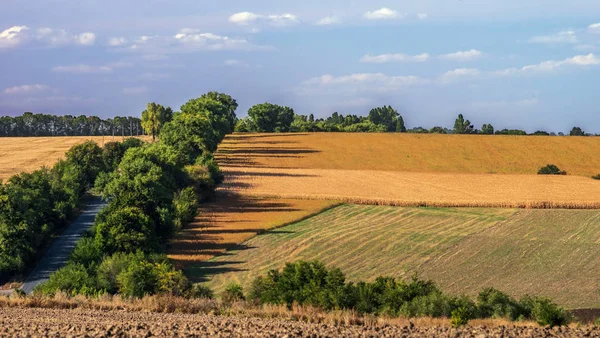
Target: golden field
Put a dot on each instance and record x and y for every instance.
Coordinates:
(229, 221)
(475, 154)
(26, 154)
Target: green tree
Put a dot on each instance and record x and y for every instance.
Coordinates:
(268, 117)
(576, 131)
(125, 230)
(154, 117)
(462, 126)
(228, 102)
(487, 129)
(386, 116)
(437, 130)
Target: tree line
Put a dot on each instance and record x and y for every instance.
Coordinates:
(268, 117)
(30, 124)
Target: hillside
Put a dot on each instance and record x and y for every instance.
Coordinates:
(19, 154)
(429, 153)
(540, 252)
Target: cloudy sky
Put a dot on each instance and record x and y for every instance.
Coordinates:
(531, 64)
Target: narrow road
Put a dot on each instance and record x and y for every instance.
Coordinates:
(57, 255)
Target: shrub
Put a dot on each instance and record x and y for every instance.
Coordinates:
(496, 304)
(186, 207)
(125, 230)
(169, 280)
(88, 156)
(596, 177)
(460, 317)
(545, 312)
(201, 291)
(70, 278)
(138, 279)
(597, 322)
(110, 268)
(233, 293)
(86, 252)
(551, 169)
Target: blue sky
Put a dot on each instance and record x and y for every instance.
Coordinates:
(530, 64)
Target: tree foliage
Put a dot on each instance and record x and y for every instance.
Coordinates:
(462, 126)
(268, 117)
(154, 118)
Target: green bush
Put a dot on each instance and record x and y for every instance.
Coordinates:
(460, 317)
(86, 252)
(70, 278)
(186, 207)
(493, 303)
(551, 169)
(545, 312)
(125, 230)
(596, 177)
(233, 293)
(110, 268)
(138, 279)
(201, 291)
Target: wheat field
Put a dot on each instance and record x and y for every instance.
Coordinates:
(429, 153)
(551, 253)
(26, 154)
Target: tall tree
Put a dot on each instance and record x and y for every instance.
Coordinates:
(268, 117)
(576, 131)
(462, 126)
(487, 129)
(154, 117)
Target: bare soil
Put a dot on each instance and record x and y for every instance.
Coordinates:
(27, 322)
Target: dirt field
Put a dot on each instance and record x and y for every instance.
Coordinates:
(225, 224)
(539, 252)
(19, 154)
(27, 322)
(475, 154)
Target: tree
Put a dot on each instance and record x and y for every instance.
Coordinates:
(229, 103)
(388, 117)
(125, 230)
(217, 113)
(154, 117)
(462, 126)
(437, 130)
(400, 127)
(576, 131)
(268, 117)
(487, 129)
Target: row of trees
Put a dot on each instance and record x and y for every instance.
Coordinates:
(30, 124)
(36, 205)
(267, 117)
(153, 192)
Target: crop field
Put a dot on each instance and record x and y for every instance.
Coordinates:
(225, 224)
(431, 153)
(19, 154)
(550, 253)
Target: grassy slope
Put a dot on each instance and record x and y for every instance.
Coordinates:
(543, 252)
(478, 154)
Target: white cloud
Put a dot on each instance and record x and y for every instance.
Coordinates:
(248, 18)
(382, 14)
(385, 58)
(468, 55)
(357, 83)
(210, 41)
(594, 28)
(26, 89)
(117, 41)
(459, 74)
(549, 66)
(135, 90)
(82, 69)
(422, 16)
(329, 20)
(561, 37)
(13, 36)
(61, 37)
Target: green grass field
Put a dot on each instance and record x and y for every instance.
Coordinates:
(552, 253)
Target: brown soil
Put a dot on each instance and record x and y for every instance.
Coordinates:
(26, 322)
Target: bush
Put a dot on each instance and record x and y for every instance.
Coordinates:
(110, 268)
(233, 293)
(138, 279)
(88, 156)
(496, 304)
(125, 230)
(551, 169)
(86, 252)
(460, 317)
(201, 291)
(186, 207)
(596, 177)
(70, 278)
(545, 312)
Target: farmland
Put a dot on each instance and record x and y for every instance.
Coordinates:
(541, 252)
(18, 154)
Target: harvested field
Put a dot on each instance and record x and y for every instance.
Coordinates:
(27, 322)
(26, 154)
(417, 189)
(551, 253)
(434, 153)
(225, 224)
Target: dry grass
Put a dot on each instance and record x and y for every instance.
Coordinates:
(26, 154)
(475, 154)
(225, 224)
(551, 253)
(418, 189)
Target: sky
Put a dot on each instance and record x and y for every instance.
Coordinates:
(527, 64)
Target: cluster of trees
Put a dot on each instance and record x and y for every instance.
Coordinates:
(311, 283)
(30, 124)
(35, 205)
(153, 192)
(267, 117)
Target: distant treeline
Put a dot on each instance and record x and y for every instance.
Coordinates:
(267, 117)
(30, 124)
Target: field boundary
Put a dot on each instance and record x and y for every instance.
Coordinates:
(458, 204)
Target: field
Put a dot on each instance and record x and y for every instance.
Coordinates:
(432, 153)
(552, 253)
(19, 154)
(224, 225)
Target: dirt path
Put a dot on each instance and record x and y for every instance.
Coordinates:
(59, 252)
